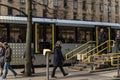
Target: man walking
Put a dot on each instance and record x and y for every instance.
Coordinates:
(7, 59)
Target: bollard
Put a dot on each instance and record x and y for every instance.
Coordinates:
(47, 66)
(46, 53)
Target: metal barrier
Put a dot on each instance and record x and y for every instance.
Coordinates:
(85, 57)
(74, 50)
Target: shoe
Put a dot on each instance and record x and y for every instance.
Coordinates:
(22, 71)
(3, 78)
(66, 74)
(53, 77)
(15, 75)
(33, 72)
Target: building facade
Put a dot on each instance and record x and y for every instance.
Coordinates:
(84, 10)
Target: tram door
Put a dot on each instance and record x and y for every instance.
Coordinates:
(101, 39)
(44, 37)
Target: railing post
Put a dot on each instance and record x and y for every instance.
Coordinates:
(91, 64)
(118, 67)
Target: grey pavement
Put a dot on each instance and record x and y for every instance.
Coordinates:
(40, 74)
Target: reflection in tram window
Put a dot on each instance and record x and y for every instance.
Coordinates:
(85, 35)
(9, 33)
(18, 33)
(67, 34)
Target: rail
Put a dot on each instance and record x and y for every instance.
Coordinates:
(74, 53)
(86, 56)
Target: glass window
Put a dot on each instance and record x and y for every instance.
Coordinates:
(92, 5)
(44, 13)
(22, 9)
(84, 16)
(34, 12)
(55, 3)
(116, 8)
(101, 7)
(45, 2)
(101, 18)
(117, 19)
(13, 33)
(3, 33)
(84, 5)
(10, 11)
(75, 3)
(17, 33)
(22, 1)
(93, 17)
(10, 0)
(65, 3)
(65, 15)
(108, 7)
(85, 34)
(66, 34)
(74, 15)
(109, 17)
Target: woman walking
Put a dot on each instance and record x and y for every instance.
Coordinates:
(58, 59)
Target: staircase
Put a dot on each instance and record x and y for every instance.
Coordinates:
(91, 56)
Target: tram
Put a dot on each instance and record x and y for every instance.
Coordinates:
(46, 31)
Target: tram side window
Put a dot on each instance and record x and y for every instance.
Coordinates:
(17, 33)
(84, 35)
(66, 34)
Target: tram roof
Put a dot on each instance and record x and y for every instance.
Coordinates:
(59, 22)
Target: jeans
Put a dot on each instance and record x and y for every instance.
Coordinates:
(5, 71)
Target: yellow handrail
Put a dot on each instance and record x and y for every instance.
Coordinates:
(77, 49)
(79, 52)
(84, 55)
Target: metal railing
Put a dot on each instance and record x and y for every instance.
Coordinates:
(73, 53)
(86, 56)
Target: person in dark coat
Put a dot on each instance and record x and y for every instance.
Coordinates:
(102, 38)
(2, 53)
(58, 59)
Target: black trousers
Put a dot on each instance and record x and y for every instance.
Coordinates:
(54, 70)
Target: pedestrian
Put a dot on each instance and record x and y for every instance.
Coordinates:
(102, 38)
(118, 39)
(7, 60)
(32, 59)
(58, 59)
(2, 53)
